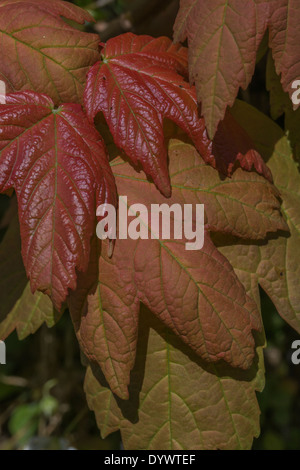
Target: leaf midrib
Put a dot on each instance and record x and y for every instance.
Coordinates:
(208, 191)
(197, 284)
(42, 53)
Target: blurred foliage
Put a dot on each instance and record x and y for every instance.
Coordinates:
(42, 403)
(114, 17)
(103, 10)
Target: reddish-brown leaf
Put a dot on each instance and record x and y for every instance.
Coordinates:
(43, 53)
(194, 292)
(223, 38)
(104, 309)
(57, 163)
(136, 86)
(185, 289)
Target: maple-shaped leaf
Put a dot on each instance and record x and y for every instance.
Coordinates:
(57, 164)
(43, 53)
(138, 84)
(223, 38)
(275, 264)
(150, 272)
(245, 205)
(177, 402)
(105, 305)
(19, 308)
(206, 288)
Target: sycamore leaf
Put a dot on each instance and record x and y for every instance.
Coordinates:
(163, 410)
(177, 402)
(223, 38)
(254, 200)
(150, 272)
(57, 163)
(136, 86)
(245, 205)
(41, 52)
(105, 305)
(201, 279)
(275, 264)
(19, 308)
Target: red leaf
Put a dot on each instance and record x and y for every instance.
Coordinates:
(136, 86)
(57, 163)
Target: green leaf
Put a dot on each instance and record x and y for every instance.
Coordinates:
(24, 422)
(275, 264)
(177, 401)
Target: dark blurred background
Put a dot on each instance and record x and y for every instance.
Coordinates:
(42, 403)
